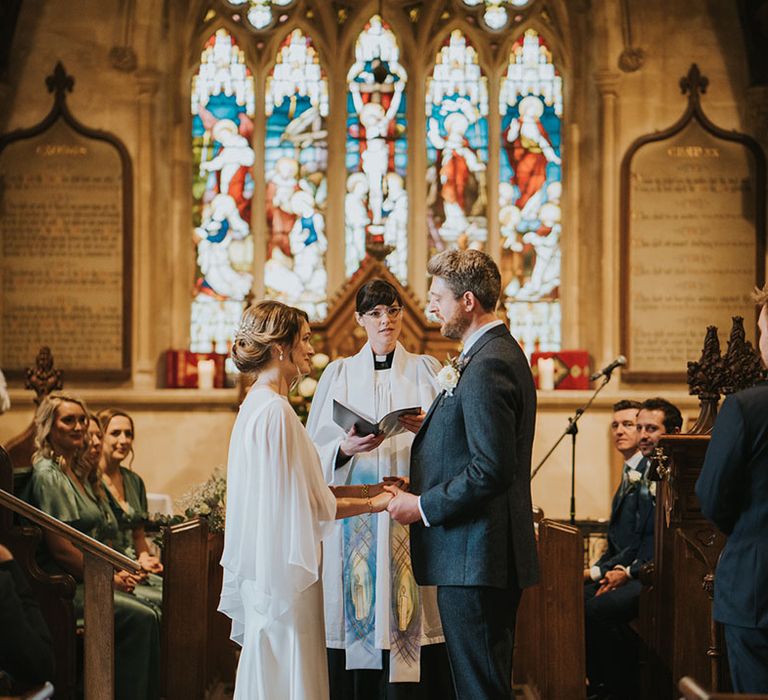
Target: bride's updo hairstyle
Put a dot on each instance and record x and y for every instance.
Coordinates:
(263, 326)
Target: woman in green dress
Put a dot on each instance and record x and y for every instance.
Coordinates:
(64, 485)
(127, 496)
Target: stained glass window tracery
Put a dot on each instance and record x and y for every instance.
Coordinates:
(296, 159)
(259, 13)
(222, 108)
(457, 147)
(496, 15)
(376, 201)
(531, 109)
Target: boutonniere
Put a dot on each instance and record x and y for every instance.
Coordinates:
(448, 376)
(652, 489)
(634, 477)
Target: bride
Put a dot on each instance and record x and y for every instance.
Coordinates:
(278, 511)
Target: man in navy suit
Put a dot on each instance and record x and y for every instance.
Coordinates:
(471, 522)
(733, 491)
(612, 589)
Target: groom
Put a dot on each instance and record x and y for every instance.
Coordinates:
(472, 532)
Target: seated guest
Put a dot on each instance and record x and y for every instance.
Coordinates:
(94, 439)
(65, 486)
(26, 649)
(612, 591)
(128, 498)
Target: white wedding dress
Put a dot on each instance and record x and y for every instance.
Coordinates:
(278, 511)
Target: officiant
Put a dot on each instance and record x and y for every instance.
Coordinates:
(383, 631)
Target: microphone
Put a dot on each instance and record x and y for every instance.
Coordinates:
(620, 361)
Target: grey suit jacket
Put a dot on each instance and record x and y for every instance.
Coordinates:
(471, 464)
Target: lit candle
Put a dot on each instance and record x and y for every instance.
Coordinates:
(546, 367)
(205, 372)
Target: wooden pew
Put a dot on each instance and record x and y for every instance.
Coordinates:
(195, 645)
(691, 690)
(100, 562)
(681, 637)
(549, 641)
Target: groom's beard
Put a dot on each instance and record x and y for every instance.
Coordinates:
(455, 326)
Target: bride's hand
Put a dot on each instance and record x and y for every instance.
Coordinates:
(380, 502)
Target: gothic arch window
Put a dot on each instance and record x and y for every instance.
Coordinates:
(376, 201)
(222, 108)
(457, 147)
(530, 187)
(295, 164)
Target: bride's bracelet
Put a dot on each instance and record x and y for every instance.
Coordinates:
(364, 492)
(370, 505)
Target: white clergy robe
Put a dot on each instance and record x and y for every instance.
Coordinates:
(353, 381)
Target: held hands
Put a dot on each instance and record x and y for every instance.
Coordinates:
(354, 444)
(149, 563)
(412, 422)
(612, 579)
(125, 581)
(404, 506)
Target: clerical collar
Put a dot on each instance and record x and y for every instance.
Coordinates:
(383, 361)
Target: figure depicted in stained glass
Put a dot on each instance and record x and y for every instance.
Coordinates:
(376, 147)
(222, 125)
(529, 148)
(531, 108)
(296, 155)
(457, 147)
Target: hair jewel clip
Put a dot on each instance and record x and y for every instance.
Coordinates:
(246, 326)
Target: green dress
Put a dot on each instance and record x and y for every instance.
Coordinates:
(137, 624)
(135, 515)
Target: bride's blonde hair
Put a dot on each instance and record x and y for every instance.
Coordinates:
(264, 325)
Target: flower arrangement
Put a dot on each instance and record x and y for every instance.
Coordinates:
(300, 396)
(208, 500)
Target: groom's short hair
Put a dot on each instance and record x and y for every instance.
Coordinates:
(468, 271)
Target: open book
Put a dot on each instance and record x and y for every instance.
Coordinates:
(345, 417)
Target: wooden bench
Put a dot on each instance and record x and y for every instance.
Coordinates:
(196, 649)
(691, 690)
(55, 593)
(549, 642)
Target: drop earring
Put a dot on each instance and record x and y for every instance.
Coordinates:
(282, 357)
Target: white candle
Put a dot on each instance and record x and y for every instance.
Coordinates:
(546, 367)
(205, 372)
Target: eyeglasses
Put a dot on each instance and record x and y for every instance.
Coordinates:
(391, 311)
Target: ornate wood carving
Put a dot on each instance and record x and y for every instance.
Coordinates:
(705, 378)
(743, 366)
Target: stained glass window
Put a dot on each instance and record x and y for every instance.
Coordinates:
(222, 107)
(531, 108)
(496, 15)
(259, 13)
(376, 202)
(296, 158)
(457, 148)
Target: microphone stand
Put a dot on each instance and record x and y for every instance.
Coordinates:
(572, 429)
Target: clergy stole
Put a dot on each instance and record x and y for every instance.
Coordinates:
(360, 536)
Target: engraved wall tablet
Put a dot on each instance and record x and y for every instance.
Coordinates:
(693, 238)
(65, 242)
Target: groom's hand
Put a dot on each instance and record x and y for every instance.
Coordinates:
(404, 506)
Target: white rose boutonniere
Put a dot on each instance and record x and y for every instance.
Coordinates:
(634, 477)
(652, 488)
(448, 376)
